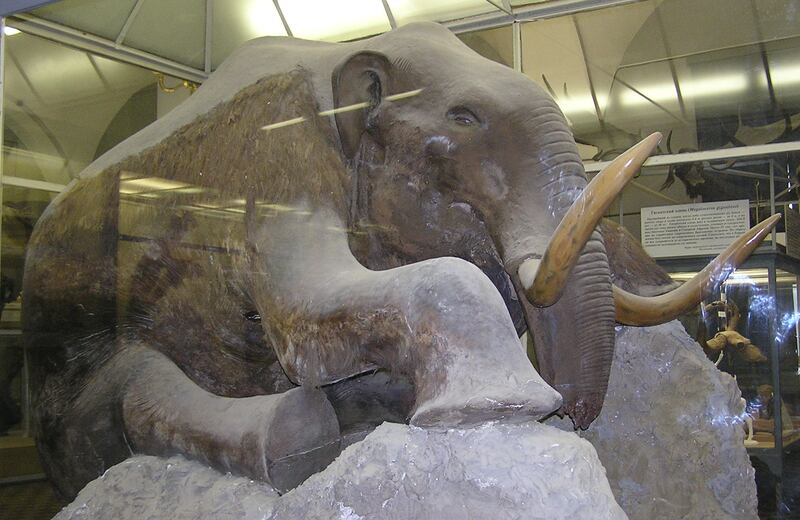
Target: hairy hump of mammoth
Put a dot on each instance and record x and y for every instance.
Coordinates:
(85, 250)
(267, 142)
(632, 268)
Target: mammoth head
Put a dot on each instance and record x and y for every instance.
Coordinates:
(454, 155)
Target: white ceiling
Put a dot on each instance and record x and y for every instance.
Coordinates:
(179, 30)
(617, 73)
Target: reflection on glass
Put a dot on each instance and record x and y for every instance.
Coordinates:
(724, 76)
(104, 18)
(63, 109)
(21, 209)
(237, 22)
(181, 39)
(750, 329)
(733, 327)
(786, 337)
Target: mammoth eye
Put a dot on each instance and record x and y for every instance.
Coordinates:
(463, 116)
(252, 316)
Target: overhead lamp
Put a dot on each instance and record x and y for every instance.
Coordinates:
(263, 19)
(339, 20)
(574, 105)
(690, 89)
(784, 75)
(10, 31)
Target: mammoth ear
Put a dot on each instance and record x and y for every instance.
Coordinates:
(361, 78)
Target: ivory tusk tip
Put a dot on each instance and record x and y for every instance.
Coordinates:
(639, 310)
(642, 150)
(527, 272)
(760, 230)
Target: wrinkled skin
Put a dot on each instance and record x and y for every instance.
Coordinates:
(373, 254)
(460, 171)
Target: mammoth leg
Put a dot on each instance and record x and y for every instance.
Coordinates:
(439, 322)
(363, 402)
(280, 438)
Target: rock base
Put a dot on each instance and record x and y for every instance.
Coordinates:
(495, 471)
(670, 434)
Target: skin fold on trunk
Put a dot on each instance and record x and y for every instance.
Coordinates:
(574, 338)
(574, 335)
(565, 285)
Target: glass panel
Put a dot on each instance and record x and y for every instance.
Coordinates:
(557, 41)
(237, 22)
(101, 17)
(784, 65)
(495, 44)
(63, 109)
(173, 29)
(735, 329)
(21, 209)
(706, 79)
(406, 11)
(787, 339)
(14, 399)
(335, 21)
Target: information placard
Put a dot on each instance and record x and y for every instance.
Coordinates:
(693, 229)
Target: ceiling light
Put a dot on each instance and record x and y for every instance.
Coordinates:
(575, 105)
(263, 19)
(690, 89)
(742, 277)
(10, 31)
(784, 75)
(339, 20)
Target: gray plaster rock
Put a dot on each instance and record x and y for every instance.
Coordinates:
(495, 471)
(174, 488)
(670, 434)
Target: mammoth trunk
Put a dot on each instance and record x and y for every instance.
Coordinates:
(573, 326)
(591, 302)
(574, 338)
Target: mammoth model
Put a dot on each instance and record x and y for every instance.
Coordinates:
(375, 221)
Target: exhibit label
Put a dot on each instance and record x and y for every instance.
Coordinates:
(693, 229)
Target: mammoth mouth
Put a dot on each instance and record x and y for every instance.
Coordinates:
(545, 278)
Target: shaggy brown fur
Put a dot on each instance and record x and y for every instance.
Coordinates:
(632, 268)
(228, 152)
(163, 268)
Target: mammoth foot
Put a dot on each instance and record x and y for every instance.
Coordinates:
(302, 438)
(467, 402)
(281, 439)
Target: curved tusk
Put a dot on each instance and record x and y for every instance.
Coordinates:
(578, 224)
(638, 310)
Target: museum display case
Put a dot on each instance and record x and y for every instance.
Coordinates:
(721, 82)
(749, 329)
